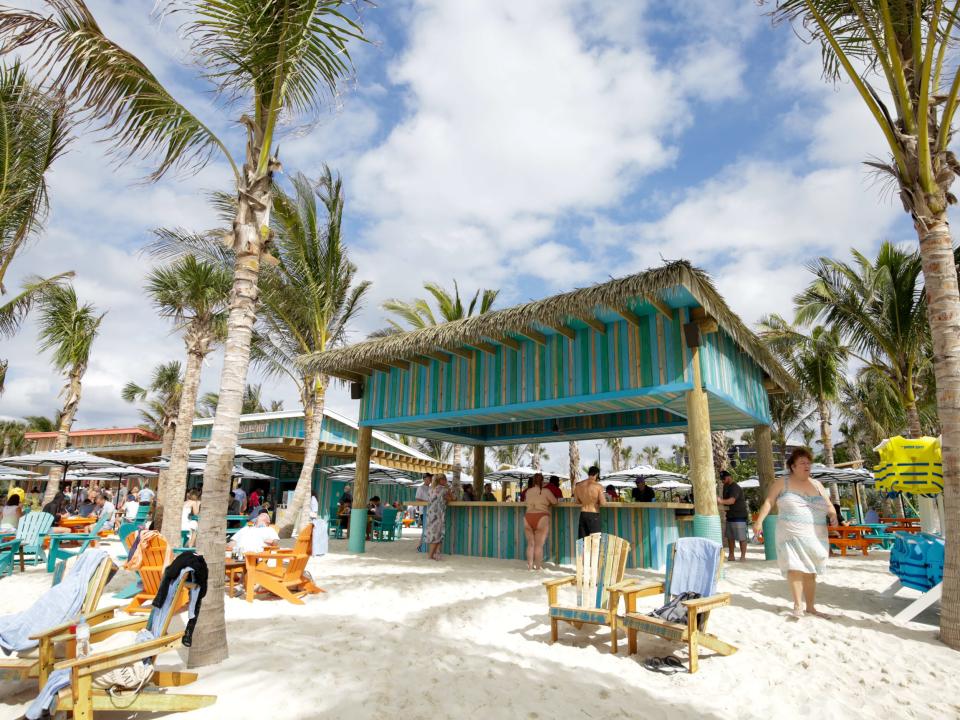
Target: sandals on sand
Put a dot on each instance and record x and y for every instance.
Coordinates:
(665, 665)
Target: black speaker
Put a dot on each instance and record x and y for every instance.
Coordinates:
(691, 333)
(356, 390)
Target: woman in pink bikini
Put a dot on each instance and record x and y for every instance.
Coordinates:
(536, 522)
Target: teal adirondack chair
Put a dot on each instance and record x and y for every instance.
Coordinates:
(386, 527)
(8, 556)
(31, 531)
(58, 552)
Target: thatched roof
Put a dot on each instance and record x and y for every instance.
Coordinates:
(551, 311)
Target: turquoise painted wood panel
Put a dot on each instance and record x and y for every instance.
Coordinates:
(733, 376)
(496, 531)
(625, 358)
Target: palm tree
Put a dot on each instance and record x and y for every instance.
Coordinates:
(278, 59)
(626, 456)
(12, 441)
(538, 454)
(789, 414)
(616, 453)
(573, 451)
(41, 423)
(903, 46)
(68, 330)
(719, 443)
(309, 300)
(252, 402)
(511, 455)
(651, 453)
(816, 361)
(879, 307)
(194, 294)
(160, 406)
(414, 314)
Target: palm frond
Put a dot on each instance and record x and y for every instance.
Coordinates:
(14, 310)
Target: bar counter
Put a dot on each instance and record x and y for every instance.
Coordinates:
(495, 530)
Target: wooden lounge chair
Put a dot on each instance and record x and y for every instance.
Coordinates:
(82, 699)
(31, 532)
(282, 572)
(151, 573)
(8, 556)
(81, 542)
(601, 561)
(39, 663)
(693, 631)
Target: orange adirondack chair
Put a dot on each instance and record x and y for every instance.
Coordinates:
(282, 572)
(155, 557)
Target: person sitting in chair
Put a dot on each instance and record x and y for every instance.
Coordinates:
(254, 538)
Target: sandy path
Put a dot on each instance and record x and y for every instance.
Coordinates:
(398, 635)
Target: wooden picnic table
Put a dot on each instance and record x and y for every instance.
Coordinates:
(77, 524)
(856, 536)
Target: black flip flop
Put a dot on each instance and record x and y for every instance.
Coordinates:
(672, 662)
(665, 666)
(653, 664)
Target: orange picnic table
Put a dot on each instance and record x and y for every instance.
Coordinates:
(855, 536)
(77, 523)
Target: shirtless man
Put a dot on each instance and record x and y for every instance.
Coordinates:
(589, 494)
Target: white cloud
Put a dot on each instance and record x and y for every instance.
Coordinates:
(712, 71)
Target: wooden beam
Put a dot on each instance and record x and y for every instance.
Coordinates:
(629, 315)
(381, 367)
(465, 353)
(593, 322)
(486, 347)
(442, 357)
(705, 323)
(771, 387)
(401, 364)
(348, 376)
(506, 340)
(567, 332)
(420, 360)
(660, 306)
(535, 335)
(363, 371)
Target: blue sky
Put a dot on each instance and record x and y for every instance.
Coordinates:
(531, 147)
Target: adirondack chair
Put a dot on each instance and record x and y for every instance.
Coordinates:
(82, 699)
(81, 541)
(39, 663)
(151, 573)
(386, 528)
(282, 572)
(31, 532)
(693, 631)
(8, 556)
(601, 561)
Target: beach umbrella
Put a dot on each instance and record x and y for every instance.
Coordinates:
(510, 473)
(193, 468)
(240, 454)
(244, 474)
(378, 474)
(648, 473)
(752, 482)
(111, 473)
(17, 471)
(63, 459)
(670, 486)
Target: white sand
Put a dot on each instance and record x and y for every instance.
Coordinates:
(397, 635)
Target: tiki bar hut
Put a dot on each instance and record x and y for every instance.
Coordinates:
(652, 353)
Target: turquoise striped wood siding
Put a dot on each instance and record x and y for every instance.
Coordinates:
(496, 531)
(733, 375)
(623, 360)
(331, 431)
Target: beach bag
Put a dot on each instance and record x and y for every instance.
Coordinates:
(674, 611)
(126, 677)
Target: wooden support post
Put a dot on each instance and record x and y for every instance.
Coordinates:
(701, 456)
(762, 438)
(479, 456)
(358, 513)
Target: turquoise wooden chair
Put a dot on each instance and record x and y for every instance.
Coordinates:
(31, 532)
(601, 562)
(58, 552)
(385, 528)
(8, 556)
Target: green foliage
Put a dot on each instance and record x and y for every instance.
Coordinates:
(67, 328)
(160, 399)
(418, 313)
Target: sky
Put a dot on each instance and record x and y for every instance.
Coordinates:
(532, 147)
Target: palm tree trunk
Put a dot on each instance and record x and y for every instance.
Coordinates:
(826, 439)
(943, 308)
(253, 213)
(616, 458)
(314, 394)
(176, 479)
(574, 451)
(913, 415)
(166, 447)
(73, 390)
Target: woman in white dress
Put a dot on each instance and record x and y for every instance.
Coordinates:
(188, 521)
(803, 510)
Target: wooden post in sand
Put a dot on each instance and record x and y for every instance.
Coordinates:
(479, 456)
(358, 512)
(706, 521)
(765, 473)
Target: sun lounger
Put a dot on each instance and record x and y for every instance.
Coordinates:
(155, 557)
(57, 551)
(282, 572)
(601, 561)
(385, 528)
(31, 532)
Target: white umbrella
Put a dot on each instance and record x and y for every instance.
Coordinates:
(17, 471)
(64, 459)
(378, 474)
(119, 472)
(753, 482)
(12, 478)
(508, 473)
(671, 485)
(240, 454)
(641, 472)
(193, 468)
(244, 474)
